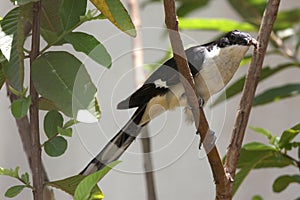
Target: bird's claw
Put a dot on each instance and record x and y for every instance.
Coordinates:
(209, 140)
(201, 103)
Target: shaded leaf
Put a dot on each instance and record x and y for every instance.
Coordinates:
(276, 94)
(256, 156)
(187, 6)
(46, 104)
(19, 108)
(14, 191)
(236, 87)
(14, 24)
(51, 23)
(286, 19)
(70, 12)
(84, 189)
(282, 182)
(2, 76)
(223, 25)
(250, 10)
(89, 45)
(117, 14)
(52, 121)
(68, 185)
(63, 79)
(56, 146)
(288, 135)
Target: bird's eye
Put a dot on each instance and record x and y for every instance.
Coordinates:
(232, 37)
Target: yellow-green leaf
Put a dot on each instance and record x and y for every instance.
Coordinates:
(117, 14)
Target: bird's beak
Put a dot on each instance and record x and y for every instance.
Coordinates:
(252, 41)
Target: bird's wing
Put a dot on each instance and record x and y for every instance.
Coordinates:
(161, 79)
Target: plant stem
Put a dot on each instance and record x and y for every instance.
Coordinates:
(138, 60)
(37, 169)
(252, 79)
(189, 86)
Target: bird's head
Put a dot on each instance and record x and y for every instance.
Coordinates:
(236, 38)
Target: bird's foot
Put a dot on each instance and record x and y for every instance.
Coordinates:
(209, 140)
(201, 103)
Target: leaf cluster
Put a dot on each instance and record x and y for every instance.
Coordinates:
(276, 154)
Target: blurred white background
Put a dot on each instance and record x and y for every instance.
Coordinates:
(181, 170)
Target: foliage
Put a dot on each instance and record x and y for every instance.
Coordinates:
(14, 173)
(62, 81)
(257, 155)
(66, 90)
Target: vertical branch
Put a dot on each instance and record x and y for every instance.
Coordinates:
(37, 168)
(139, 76)
(248, 94)
(187, 80)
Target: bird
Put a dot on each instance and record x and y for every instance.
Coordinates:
(212, 66)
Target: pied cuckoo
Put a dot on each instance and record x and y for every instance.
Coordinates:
(212, 66)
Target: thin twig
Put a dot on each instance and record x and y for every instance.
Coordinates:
(187, 80)
(248, 94)
(37, 169)
(138, 61)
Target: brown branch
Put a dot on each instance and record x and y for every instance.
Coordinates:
(247, 98)
(37, 167)
(138, 60)
(187, 80)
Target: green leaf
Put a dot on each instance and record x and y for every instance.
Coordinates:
(237, 86)
(257, 197)
(51, 22)
(256, 146)
(52, 121)
(2, 76)
(63, 79)
(286, 19)
(46, 104)
(25, 178)
(89, 45)
(117, 14)
(56, 146)
(187, 6)
(262, 131)
(68, 185)
(20, 107)
(10, 172)
(250, 10)
(288, 135)
(85, 188)
(223, 25)
(14, 24)
(256, 156)
(65, 132)
(70, 123)
(282, 182)
(276, 94)
(14, 191)
(71, 11)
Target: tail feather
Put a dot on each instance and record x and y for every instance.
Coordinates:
(118, 144)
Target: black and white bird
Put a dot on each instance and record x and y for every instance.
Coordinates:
(212, 66)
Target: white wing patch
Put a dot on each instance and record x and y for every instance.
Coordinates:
(160, 83)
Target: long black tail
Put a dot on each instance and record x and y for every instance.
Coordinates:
(118, 144)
